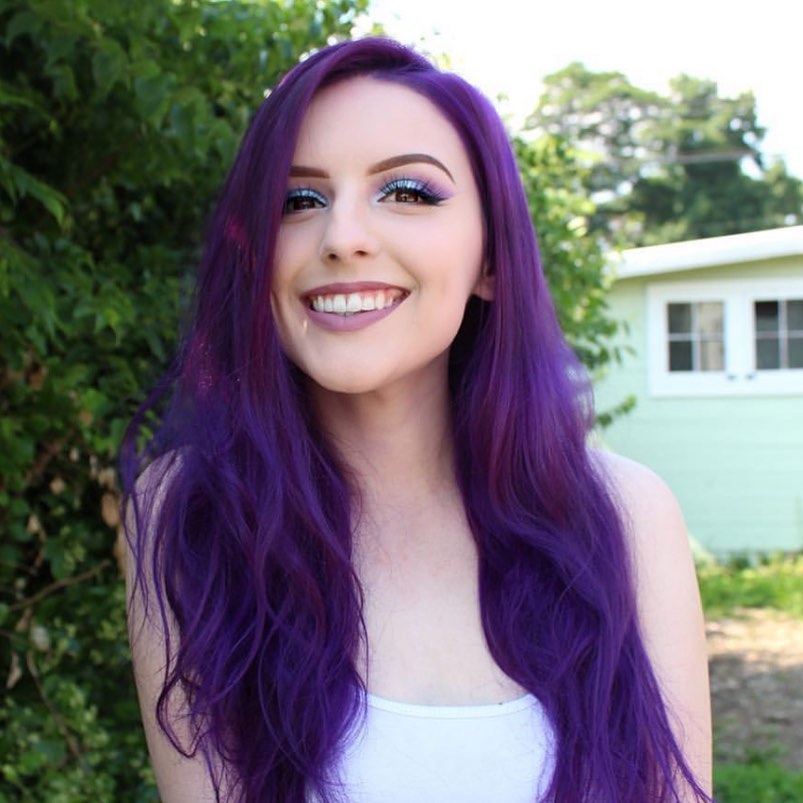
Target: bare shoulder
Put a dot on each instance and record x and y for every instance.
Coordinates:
(151, 628)
(152, 485)
(655, 530)
(143, 506)
(667, 597)
(141, 516)
(643, 497)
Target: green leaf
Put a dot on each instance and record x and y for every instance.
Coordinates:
(19, 182)
(153, 95)
(108, 65)
(9, 98)
(30, 761)
(22, 23)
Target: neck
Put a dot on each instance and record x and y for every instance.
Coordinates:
(397, 441)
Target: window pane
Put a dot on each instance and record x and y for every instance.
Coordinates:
(680, 355)
(709, 318)
(794, 315)
(768, 355)
(712, 355)
(679, 318)
(795, 347)
(766, 316)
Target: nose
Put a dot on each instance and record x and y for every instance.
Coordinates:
(348, 234)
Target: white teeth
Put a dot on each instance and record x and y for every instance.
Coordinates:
(350, 304)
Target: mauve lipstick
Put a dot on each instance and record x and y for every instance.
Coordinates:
(356, 321)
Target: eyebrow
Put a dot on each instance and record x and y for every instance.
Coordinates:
(301, 171)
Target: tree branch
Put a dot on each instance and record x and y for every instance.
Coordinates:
(59, 584)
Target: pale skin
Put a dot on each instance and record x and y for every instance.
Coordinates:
(382, 394)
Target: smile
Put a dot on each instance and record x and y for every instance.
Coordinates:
(354, 303)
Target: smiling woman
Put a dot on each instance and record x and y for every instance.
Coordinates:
(381, 237)
(372, 555)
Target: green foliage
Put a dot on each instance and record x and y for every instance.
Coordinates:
(574, 262)
(601, 113)
(117, 123)
(759, 780)
(773, 582)
(662, 168)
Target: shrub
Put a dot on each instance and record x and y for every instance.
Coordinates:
(117, 123)
(770, 582)
(760, 780)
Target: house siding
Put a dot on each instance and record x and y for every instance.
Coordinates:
(735, 463)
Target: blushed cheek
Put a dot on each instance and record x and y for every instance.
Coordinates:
(281, 322)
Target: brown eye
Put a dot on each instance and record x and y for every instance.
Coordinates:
(302, 200)
(410, 191)
(407, 197)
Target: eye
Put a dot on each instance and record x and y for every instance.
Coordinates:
(301, 199)
(410, 191)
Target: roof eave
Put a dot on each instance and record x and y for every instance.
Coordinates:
(710, 252)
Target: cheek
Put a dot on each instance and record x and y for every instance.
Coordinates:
(452, 249)
(281, 291)
(459, 263)
(282, 260)
(295, 248)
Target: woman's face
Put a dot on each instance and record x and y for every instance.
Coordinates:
(381, 241)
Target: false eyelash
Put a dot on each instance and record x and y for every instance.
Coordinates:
(428, 193)
(301, 192)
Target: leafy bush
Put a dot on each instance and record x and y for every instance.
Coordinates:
(771, 582)
(760, 780)
(574, 262)
(117, 123)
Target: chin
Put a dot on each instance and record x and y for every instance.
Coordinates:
(345, 383)
(358, 378)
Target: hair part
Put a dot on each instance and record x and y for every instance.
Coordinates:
(251, 545)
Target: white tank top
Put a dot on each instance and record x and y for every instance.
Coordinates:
(404, 753)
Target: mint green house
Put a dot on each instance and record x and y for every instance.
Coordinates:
(716, 367)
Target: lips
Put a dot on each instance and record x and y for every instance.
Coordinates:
(349, 307)
(353, 303)
(347, 300)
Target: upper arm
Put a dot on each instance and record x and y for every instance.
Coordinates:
(668, 602)
(180, 779)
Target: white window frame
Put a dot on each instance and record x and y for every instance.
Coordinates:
(740, 376)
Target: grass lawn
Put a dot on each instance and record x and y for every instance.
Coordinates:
(774, 583)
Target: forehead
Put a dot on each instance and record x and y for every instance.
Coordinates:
(372, 118)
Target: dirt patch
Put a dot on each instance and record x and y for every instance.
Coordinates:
(756, 665)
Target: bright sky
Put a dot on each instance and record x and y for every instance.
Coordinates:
(507, 46)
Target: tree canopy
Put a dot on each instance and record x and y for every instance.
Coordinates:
(666, 167)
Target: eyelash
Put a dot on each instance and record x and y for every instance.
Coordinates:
(302, 194)
(423, 189)
(425, 192)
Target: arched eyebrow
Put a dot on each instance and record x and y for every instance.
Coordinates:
(301, 171)
(406, 159)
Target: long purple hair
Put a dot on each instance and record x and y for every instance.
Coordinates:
(250, 546)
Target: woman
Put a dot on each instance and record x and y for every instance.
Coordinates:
(374, 558)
